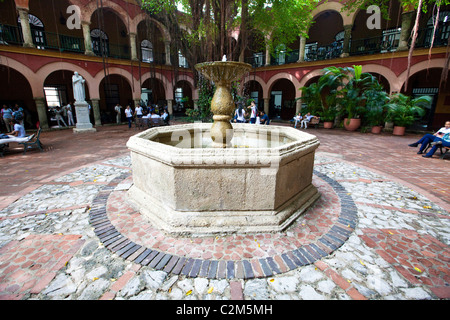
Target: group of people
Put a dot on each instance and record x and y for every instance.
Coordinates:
(8, 114)
(141, 112)
(256, 117)
(13, 119)
(64, 115)
(303, 120)
(440, 138)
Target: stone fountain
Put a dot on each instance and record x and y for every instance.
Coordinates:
(202, 179)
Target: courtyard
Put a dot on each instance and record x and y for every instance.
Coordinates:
(380, 230)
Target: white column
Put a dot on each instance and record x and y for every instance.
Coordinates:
(42, 112)
(301, 50)
(87, 38)
(167, 48)
(26, 29)
(133, 46)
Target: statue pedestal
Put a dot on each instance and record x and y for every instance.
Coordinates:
(84, 124)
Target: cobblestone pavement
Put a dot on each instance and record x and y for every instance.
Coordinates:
(396, 246)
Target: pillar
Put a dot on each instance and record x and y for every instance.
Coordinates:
(96, 109)
(167, 48)
(407, 25)
(133, 46)
(298, 106)
(267, 55)
(170, 106)
(136, 102)
(346, 43)
(266, 105)
(87, 38)
(42, 112)
(26, 29)
(301, 50)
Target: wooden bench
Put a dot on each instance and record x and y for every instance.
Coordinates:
(314, 122)
(156, 122)
(141, 123)
(34, 142)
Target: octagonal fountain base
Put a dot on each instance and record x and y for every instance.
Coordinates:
(262, 183)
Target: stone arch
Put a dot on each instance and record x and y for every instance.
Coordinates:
(284, 75)
(261, 82)
(423, 65)
(337, 7)
(309, 76)
(387, 73)
(144, 16)
(49, 68)
(113, 71)
(168, 86)
(89, 9)
(36, 83)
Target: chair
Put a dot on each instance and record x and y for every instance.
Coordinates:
(34, 142)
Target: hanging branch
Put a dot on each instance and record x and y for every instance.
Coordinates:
(413, 42)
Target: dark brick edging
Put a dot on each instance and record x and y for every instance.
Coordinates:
(224, 269)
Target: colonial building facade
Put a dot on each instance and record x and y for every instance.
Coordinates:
(126, 57)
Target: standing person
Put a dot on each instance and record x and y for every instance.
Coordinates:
(18, 114)
(59, 117)
(254, 112)
(129, 116)
(69, 115)
(118, 109)
(7, 116)
(138, 111)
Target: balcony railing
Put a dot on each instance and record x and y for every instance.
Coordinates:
(12, 35)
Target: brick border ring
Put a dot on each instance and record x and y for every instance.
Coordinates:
(307, 254)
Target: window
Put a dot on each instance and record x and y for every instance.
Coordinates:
(100, 42)
(442, 31)
(147, 51)
(37, 31)
(55, 96)
(182, 62)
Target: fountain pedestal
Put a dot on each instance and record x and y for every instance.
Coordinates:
(222, 73)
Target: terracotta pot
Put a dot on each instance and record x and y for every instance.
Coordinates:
(376, 129)
(328, 125)
(399, 131)
(353, 125)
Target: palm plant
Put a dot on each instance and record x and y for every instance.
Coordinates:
(403, 110)
(376, 102)
(349, 87)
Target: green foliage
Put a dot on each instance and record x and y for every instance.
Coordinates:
(205, 95)
(403, 110)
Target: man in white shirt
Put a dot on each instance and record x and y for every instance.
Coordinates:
(304, 122)
(428, 138)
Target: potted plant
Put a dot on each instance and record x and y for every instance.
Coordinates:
(376, 101)
(349, 85)
(403, 111)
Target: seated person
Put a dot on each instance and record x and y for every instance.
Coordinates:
(444, 141)
(306, 119)
(19, 130)
(264, 118)
(154, 115)
(297, 118)
(165, 116)
(428, 138)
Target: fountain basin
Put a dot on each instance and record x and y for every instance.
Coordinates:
(183, 185)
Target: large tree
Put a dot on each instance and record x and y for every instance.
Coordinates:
(205, 30)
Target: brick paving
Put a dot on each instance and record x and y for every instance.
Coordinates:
(382, 231)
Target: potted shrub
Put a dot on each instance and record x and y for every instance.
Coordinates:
(349, 86)
(403, 111)
(320, 104)
(376, 101)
